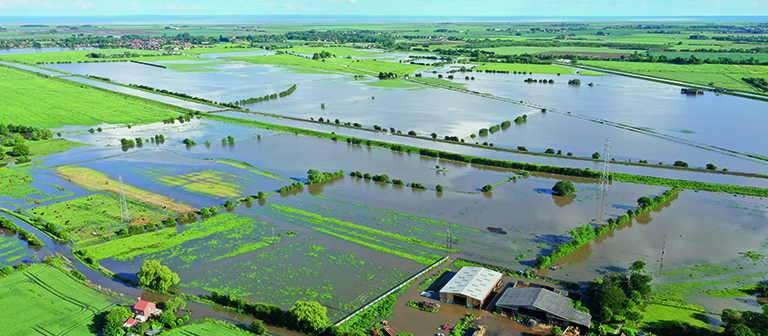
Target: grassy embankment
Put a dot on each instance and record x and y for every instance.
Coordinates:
(29, 99)
(536, 69)
(695, 185)
(61, 304)
(96, 181)
(721, 75)
(41, 148)
(75, 56)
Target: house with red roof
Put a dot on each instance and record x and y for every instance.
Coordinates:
(144, 310)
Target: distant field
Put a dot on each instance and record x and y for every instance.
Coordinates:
(380, 66)
(721, 75)
(333, 50)
(538, 50)
(49, 302)
(737, 57)
(31, 100)
(297, 61)
(536, 69)
(79, 55)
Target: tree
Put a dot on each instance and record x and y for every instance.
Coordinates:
(231, 139)
(550, 151)
(175, 304)
(204, 211)
(679, 163)
(711, 166)
(638, 265)
(314, 175)
(308, 316)
(434, 135)
(595, 155)
(738, 330)
(564, 188)
(643, 202)
(258, 328)
(113, 325)
(487, 188)
(439, 188)
(19, 149)
(155, 276)
(167, 317)
(229, 204)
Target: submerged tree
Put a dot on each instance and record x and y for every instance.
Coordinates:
(564, 188)
(155, 276)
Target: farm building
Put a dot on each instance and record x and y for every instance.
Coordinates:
(544, 306)
(470, 286)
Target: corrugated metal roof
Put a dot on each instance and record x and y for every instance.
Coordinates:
(474, 282)
(544, 300)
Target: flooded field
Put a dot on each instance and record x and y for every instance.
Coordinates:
(648, 121)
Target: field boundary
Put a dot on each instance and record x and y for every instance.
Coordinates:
(392, 290)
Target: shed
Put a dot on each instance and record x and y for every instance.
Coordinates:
(470, 286)
(542, 305)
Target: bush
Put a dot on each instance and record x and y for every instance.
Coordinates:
(439, 188)
(80, 276)
(679, 163)
(487, 188)
(564, 188)
(257, 327)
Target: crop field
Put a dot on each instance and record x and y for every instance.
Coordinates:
(298, 61)
(12, 250)
(25, 95)
(210, 182)
(50, 302)
(79, 56)
(563, 50)
(721, 75)
(95, 214)
(399, 69)
(537, 69)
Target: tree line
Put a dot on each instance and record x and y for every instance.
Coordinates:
(23, 234)
(586, 233)
(261, 99)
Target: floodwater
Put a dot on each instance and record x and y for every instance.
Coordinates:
(697, 121)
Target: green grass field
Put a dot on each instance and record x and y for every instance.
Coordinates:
(336, 51)
(721, 75)
(656, 313)
(209, 327)
(564, 50)
(297, 61)
(43, 148)
(97, 213)
(49, 302)
(206, 182)
(14, 183)
(399, 69)
(28, 99)
(536, 69)
(79, 56)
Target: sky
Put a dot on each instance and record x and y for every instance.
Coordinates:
(516, 8)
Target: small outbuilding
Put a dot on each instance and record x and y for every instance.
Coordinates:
(470, 286)
(544, 306)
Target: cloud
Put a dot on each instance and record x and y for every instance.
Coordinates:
(352, 1)
(175, 7)
(290, 7)
(134, 5)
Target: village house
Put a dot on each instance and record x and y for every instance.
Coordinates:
(144, 310)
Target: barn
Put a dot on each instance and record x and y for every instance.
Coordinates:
(470, 286)
(544, 306)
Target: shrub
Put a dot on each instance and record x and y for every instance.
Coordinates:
(564, 188)
(257, 327)
(439, 188)
(487, 188)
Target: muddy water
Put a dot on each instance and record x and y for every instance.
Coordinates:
(694, 229)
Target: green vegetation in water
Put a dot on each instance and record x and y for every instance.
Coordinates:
(25, 94)
(15, 183)
(752, 255)
(151, 242)
(208, 182)
(423, 306)
(442, 82)
(61, 305)
(400, 69)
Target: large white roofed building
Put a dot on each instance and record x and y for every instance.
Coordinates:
(470, 286)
